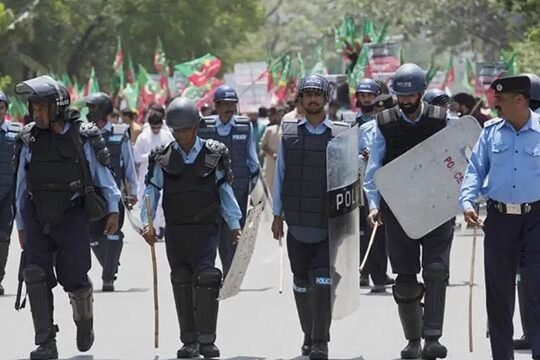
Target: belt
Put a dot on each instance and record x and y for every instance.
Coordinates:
(513, 209)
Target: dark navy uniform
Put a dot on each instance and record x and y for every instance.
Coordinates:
(300, 195)
(58, 174)
(238, 136)
(8, 136)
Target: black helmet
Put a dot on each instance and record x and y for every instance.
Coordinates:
(104, 106)
(46, 89)
(437, 97)
(181, 114)
(314, 82)
(409, 79)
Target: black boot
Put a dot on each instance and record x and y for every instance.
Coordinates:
(83, 315)
(407, 295)
(4, 250)
(435, 278)
(112, 252)
(319, 351)
(41, 305)
(524, 311)
(302, 291)
(206, 310)
(321, 307)
(188, 351)
(183, 297)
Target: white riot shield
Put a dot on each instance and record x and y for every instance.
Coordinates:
(422, 186)
(343, 190)
(243, 254)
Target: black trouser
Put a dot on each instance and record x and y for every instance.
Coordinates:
(511, 241)
(65, 246)
(7, 214)
(377, 262)
(108, 248)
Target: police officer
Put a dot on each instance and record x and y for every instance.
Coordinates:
(237, 134)
(195, 177)
(398, 130)
(523, 343)
(299, 198)
(61, 166)
(366, 92)
(108, 247)
(8, 136)
(504, 168)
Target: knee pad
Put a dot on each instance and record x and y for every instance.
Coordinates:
(321, 277)
(435, 271)
(181, 275)
(407, 292)
(209, 278)
(300, 285)
(34, 274)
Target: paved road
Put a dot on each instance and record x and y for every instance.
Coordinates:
(257, 324)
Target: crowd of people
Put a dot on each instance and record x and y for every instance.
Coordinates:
(75, 181)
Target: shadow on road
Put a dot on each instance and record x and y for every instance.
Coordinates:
(132, 290)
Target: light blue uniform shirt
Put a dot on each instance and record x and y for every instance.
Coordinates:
(229, 209)
(126, 160)
(252, 158)
(366, 134)
(102, 178)
(376, 156)
(504, 164)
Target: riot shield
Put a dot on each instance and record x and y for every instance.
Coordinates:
(343, 191)
(243, 254)
(422, 186)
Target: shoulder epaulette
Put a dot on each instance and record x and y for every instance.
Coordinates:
(388, 116)
(88, 129)
(436, 112)
(25, 134)
(491, 122)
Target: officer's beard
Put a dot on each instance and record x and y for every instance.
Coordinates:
(366, 109)
(313, 110)
(409, 109)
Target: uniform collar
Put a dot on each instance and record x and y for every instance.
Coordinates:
(532, 124)
(107, 128)
(327, 122)
(406, 118)
(196, 147)
(231, 122)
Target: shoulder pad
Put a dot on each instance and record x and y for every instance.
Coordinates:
(209, 120)
(88, 129)
(216, 147)
(97, 142)
(242, 120)
(289, 121)
(388, 116)
(120, 129)
(341, 124)
(159, 150)
(26, 133)
(14, 127)
(436, 112)
(338, 127)
(491, 122)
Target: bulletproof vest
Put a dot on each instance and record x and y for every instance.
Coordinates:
(54, 174)
(304, 183)
(190, 192)
(114, 139)
(400, 136)
(7, 170)
(237, 143)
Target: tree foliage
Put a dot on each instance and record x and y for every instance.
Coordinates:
(73, 36)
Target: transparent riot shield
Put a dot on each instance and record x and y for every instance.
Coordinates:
(344, 193)
(422, 186)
